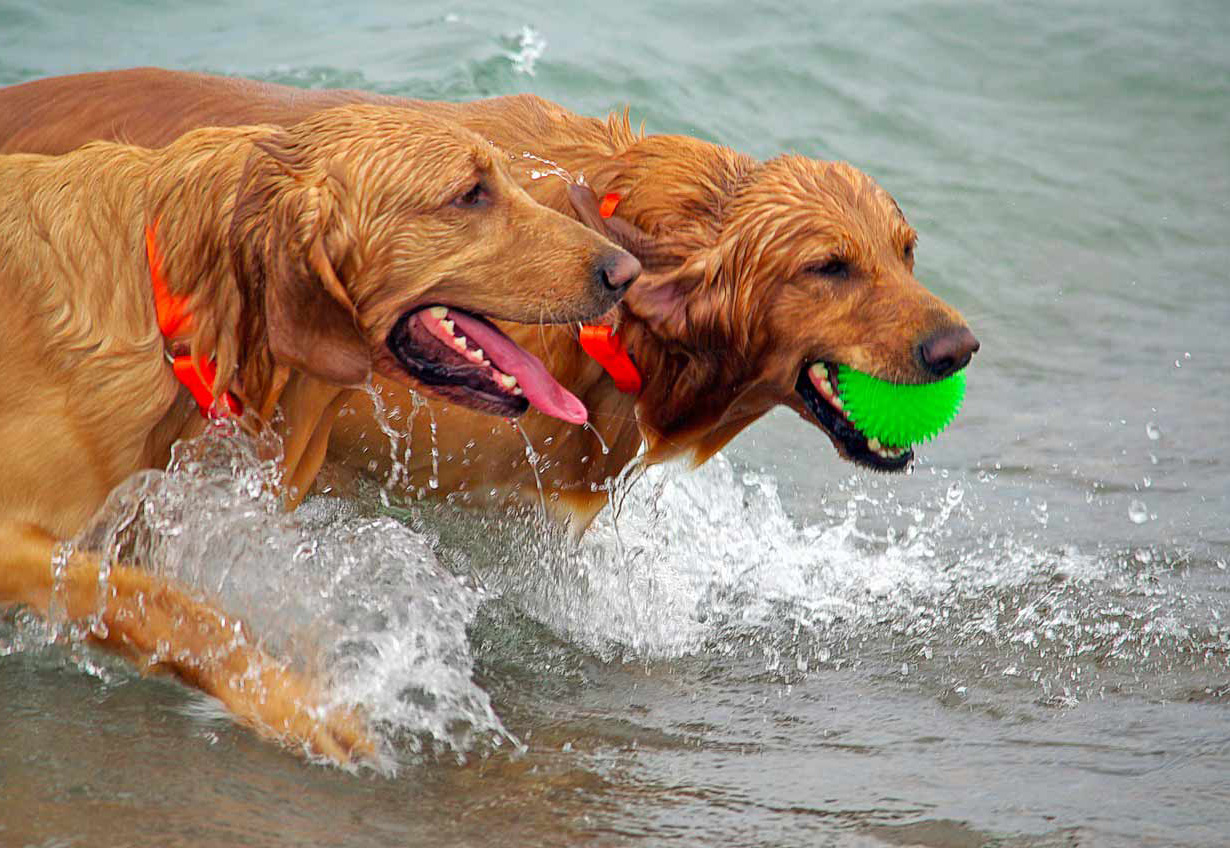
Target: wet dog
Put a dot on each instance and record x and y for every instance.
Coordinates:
(765, 276)
(276, 269)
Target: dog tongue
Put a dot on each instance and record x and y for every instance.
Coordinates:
(541, 389)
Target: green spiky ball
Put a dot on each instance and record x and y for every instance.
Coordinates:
(899, 414)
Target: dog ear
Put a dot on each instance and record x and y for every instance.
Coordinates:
(655, 253)
(668, 303)
(283, 232)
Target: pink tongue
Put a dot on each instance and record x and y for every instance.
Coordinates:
(541, 389)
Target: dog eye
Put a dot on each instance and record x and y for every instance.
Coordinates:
(908, 253)
(836, 267)
(476, 196)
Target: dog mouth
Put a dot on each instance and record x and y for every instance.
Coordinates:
(466, 359)
(817, 384)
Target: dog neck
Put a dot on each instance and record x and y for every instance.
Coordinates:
(228, 326)
(676, 188)
(191, 208)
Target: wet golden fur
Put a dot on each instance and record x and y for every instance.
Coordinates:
(721, 330)
(297, 250)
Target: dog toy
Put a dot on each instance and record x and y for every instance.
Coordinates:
(899, 414)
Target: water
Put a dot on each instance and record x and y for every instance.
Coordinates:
(1023, 643)
(532, 457)
(597, 435)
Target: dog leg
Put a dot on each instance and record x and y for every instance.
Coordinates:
(310, 408)
(158, 626)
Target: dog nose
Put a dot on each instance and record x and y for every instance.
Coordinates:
(617, 271)
(948, 351)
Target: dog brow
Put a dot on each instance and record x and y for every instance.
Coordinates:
(896, 206)
(906, 234)
(460, 182)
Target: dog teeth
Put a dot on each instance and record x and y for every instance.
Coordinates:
(874, 444)
(820, 378)
(459, 342)
(475, 355)
(437, 312)
(508, 381)
(886, 452)
(447, 325)
(517, 391)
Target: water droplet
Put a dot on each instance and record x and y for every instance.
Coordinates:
(1039, 513)
(1153, 431)
(1138, 512)
(955, 493)
(1148, 481)
(601, 441)
(532, 457)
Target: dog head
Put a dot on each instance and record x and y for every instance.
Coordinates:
(765, 278)
(383, 240)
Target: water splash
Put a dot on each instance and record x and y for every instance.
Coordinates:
(703, 563)
(601, 441)
(531, 457)
(399, 476)
(709, 562)
(356, 599)
(433, 481)
(551, 169)
(530, 47)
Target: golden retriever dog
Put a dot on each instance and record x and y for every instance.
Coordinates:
(277, 269)
(765, 277)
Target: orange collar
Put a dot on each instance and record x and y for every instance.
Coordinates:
(603, 343)
(605, 347)
(174, 319)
